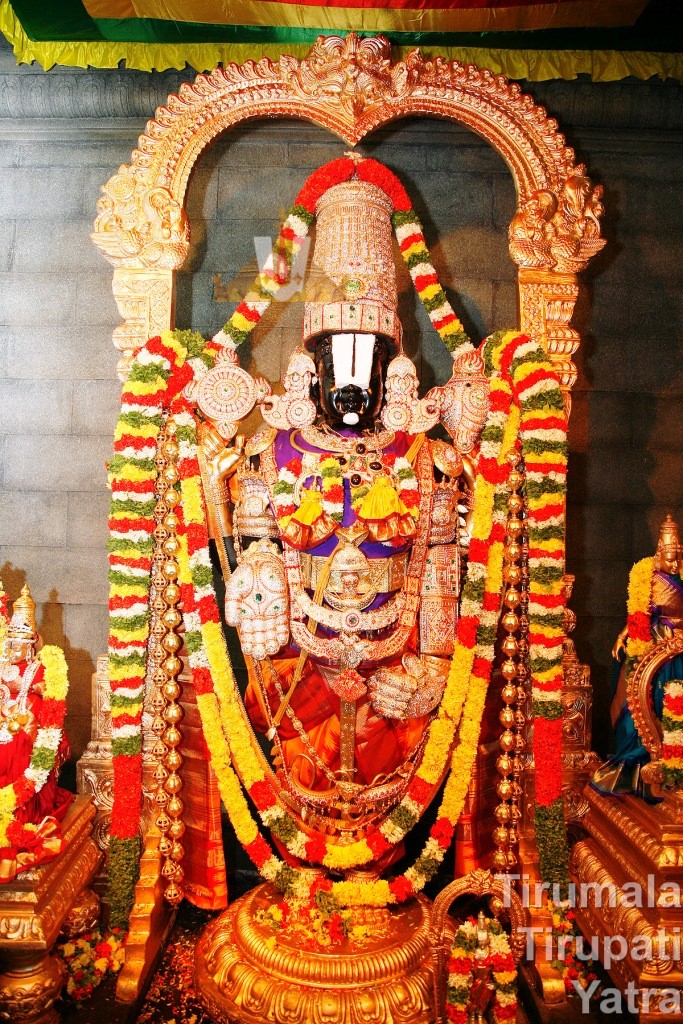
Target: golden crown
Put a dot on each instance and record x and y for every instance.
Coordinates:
(354, 249)
(668, 538)
(22, 625)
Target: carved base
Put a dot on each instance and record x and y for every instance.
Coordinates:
(28, 993)
(244, 978)
(83, 916)
(33, 909)
(630, 842)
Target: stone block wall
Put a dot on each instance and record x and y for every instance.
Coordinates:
(65, 132)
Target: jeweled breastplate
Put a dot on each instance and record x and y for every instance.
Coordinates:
(354, 519)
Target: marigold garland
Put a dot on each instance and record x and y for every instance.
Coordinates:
(638, 641)
(512, 360)
(324, 508)
(526, 403)
(50, 723)
(160, 369)
(295, 228)
(224, 706)
(4, 614)
(461, 977)
(254, 777)
(638, 607)
(567, 938)
(543, 438)
(672, 740)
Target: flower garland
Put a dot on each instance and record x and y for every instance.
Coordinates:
(327, 505)
(295, 228)
(88, 960)
(461, 976)
(405, 815)
(543, 438)
(50, 723)
(222, 716)
(672, 740)
(4, 615)
(638, 640)
(159, 370)
(317, 920)
(466, 689)
(638, 604)
(565, 934)
(333, 488)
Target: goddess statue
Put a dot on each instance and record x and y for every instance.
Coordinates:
(28, 790)
(664, 602)
(351, 528)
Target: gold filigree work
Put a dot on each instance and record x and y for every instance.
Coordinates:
(351, 87)
(242, 976)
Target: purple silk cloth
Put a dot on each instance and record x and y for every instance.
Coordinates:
(285, 451)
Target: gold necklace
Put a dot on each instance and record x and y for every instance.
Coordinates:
(328, 440)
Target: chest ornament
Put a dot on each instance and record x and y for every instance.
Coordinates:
(309, 497)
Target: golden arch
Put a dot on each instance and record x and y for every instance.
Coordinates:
(351, 87)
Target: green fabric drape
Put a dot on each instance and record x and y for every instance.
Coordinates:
(64, 33)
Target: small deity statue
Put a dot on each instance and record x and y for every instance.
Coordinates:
(622, 772)
(32, 801)
(483, 989)
(350, 526)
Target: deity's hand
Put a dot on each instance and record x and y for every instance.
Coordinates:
(430, 674)
(391, 691)
(222, 459)
(256, 601)
(619, 649)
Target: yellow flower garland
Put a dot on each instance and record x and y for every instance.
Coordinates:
(228, 737)
(639, 600)
(56, 685)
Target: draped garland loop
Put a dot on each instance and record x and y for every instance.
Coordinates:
(526, 410)
(50, 724)
(526, 406)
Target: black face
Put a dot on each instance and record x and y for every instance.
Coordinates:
(336, 403)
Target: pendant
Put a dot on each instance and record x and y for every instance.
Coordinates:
(10, 673)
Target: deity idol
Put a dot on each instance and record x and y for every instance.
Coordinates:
(372, 563)
(664, 608)
(351, 528)
(29, 791)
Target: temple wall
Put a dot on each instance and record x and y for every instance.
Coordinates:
(64, 133)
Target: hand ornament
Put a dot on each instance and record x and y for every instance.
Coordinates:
(430, 674)
(619, 649)
(391, 691)
(256, 601)
(411, 691)
(465, 401)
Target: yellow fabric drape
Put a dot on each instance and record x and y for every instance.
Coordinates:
(379, 18)
(532, 65)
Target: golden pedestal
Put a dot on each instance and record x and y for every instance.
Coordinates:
(33, 910)
(243, 978)
(630, 842)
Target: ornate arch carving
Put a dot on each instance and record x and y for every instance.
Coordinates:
(640, 702)
(351, 87)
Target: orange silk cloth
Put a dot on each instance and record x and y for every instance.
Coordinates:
(382, 744)
(204, 862)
